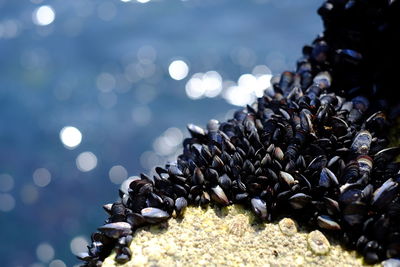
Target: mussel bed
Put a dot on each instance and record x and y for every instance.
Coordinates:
(314, 147)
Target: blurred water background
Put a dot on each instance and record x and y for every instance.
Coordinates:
(96, 91)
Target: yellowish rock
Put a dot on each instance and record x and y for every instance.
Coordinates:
(227, 237)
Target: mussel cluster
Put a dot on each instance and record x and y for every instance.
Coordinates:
(314, 148)
(359, 47)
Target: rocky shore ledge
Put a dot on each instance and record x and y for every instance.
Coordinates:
(232, 236)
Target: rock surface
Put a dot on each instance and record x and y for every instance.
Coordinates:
(228, 237)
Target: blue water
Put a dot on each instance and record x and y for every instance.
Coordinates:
(102, 67)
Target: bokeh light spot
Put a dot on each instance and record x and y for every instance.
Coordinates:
(238, 95)
(118, 174)
(78, 244)
(57, 263)
(41, 177)
(168, 142)
(43, 15)
(201, 85)
(45, 252)
(71, 137)
(7, 202)
(86, 161)
(178, 70)
(212, 82)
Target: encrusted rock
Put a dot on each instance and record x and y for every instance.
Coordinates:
(229, 236)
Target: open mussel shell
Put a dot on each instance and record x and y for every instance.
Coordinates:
(219, 196)
(135, 219)
(328, 223)
(259, 207)
(287, 178)
(299, 200)
(317, 164)
(154, 215)
(196, 131)
(116, 230)
(328, 178)
(180, 205)
(385, 194)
